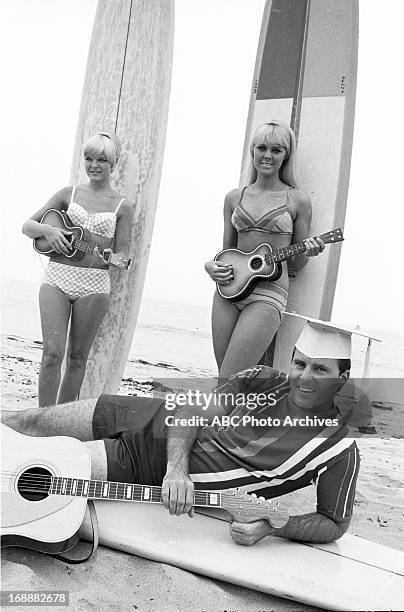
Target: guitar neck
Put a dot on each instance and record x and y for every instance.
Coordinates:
(121, 491)
(294, 249)
(286, 253)
(85, 247)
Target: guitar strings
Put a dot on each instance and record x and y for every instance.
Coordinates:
(49, 479)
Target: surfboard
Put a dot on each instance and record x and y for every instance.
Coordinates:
(305, 75)
(126, 90)
(350, 574)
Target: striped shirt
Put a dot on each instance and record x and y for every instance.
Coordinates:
(275, 459)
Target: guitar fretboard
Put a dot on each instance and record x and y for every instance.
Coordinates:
(285, 253)
(86, 247)
(121, 491)
(294, 249)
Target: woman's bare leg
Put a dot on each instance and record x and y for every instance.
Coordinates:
(224, 319)
(55, 312)
(87, 315)
(255, 328)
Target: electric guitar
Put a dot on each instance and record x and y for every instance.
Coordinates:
(261, 263)
(81, 240)
(45, 485)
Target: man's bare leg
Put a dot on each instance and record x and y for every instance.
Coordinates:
(73, 419)
(98, 459)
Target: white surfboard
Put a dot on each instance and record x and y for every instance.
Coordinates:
(126, 90)
(350, 574)
(305, 75)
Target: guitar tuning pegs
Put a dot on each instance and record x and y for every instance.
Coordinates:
(262, 498)
(253, 495)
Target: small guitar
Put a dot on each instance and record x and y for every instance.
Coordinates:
(41, 507)
(261, 263)
(80, 240)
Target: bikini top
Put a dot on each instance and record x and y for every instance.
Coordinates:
(103, 223)
(278, 220)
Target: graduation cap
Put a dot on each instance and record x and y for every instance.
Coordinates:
(325, 339)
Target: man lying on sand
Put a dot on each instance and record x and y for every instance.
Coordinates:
(285, 434)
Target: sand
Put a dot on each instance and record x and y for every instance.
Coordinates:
(115, 581)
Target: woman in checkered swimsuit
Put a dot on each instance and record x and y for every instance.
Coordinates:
(79, 291)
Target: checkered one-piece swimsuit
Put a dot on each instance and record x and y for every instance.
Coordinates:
(75, 281)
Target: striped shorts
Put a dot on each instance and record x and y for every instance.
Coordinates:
(76, 282)
(268, 292)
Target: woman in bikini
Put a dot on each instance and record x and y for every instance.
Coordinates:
(270, 209)
(79, 291)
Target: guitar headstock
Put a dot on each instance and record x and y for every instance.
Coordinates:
(246, 508)
(333, 236)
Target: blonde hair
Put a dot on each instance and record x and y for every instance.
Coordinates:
(106, 143)
(276, 132)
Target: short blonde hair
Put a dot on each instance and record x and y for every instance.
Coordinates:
(106, 143)
(276, 132)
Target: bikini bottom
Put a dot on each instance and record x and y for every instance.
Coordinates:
(268, 292)
(76, 282)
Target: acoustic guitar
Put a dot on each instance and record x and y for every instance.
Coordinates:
(261, 263)
(81, 240)
(45, 485)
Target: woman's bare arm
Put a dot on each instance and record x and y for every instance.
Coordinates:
(302, 210)
(56, 237)
(218, 271)
(229, 231)
(123, 229)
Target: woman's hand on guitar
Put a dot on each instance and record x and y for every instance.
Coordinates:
(220, 272)
(247, 374)
(314, 246)
(56, 238)
(100, 256)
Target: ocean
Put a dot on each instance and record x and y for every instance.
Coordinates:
(177, 335)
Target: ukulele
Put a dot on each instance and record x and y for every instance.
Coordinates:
(80, 240)
(261, 263)
(45, 485)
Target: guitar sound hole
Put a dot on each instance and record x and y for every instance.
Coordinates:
(34, 484)
(256, 263)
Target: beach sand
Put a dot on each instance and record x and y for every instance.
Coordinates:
(115, 581)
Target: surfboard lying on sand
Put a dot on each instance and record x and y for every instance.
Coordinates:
(350, 574)
(126, 90)
(305, 75)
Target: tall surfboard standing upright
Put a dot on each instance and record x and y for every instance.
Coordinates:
(305, 75)
(126, 90)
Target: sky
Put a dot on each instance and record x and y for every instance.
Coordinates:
(44, 50)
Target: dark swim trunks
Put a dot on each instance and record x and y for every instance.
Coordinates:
(134, 435)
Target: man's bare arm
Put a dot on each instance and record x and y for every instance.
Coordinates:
(313, 527)
(178, 488)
